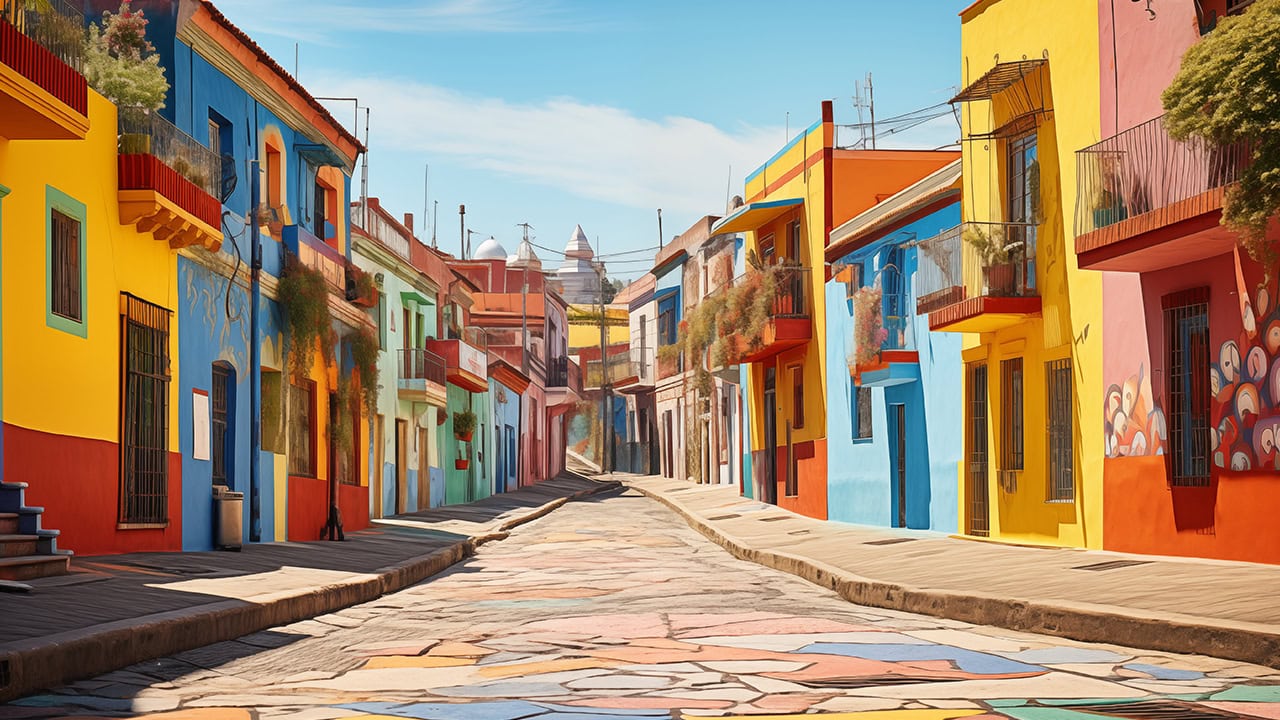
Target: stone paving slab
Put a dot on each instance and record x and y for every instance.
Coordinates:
(118, 609)
(1220, 608)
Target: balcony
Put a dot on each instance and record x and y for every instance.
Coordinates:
(422, 377)
(669, 366)
(465, 357)
(168, 182)
(558, 372)
(788, 323)
(884, 311)
(317, 255)
(1148, 202)
(978, 277)
(618, 371)
(644, 371)
(43, 95)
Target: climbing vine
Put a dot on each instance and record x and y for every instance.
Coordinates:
(365, 350)
(303, 295)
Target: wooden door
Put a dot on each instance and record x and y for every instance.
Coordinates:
(379, 460)
(402, 465)
(424, 471)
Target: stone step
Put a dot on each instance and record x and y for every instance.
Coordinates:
(13, 545)
(8, 522)
(27, 567)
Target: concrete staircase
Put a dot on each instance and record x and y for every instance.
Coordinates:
(26, 550)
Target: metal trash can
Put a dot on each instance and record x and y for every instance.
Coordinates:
(229, 520)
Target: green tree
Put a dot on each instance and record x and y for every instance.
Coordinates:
(121, 64)
(1227, 91)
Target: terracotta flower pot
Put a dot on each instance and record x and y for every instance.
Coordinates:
(464, 437)
(1001, 279)
(461, 464)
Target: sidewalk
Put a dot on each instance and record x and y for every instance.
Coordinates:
(116, 610)
(1207, 607)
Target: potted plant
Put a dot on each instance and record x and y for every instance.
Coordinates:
(464, 425)
(461, 464)
(1107, 209)
(999, 267)
(868, 326)
(360, 288)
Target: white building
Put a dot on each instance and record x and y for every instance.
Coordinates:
(577, 277)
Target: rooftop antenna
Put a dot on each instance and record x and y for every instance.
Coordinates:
(467, 252)
(871, 103)
(728, 187)
(659, 230)
(462, 230)
(426, 197)
(435, 213)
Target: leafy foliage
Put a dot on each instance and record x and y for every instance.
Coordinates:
(868, 325)
(304, 299)
(364, 357)
(464, 422)
(121, 64)
(1228, 91)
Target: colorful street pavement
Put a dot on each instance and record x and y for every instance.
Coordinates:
(613, 609)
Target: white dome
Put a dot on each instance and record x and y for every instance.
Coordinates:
(525, 257)
(491, 249)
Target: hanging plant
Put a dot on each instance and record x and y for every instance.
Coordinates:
(360, 288)
(340, 421)
(303, 295)
(121, 64)
(365, 351)
(464, 425)
(869, 333)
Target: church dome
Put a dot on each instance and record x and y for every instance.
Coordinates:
(578, 246)
(491, 249)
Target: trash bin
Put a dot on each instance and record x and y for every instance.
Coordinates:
(229, 521)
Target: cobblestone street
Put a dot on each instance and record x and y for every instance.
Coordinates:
(612, 608)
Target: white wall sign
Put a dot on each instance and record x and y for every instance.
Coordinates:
(200, 425)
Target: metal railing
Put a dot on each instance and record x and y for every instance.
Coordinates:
(145, 132)
(614, 370)
(56, 25)
(1144, 170)
(420, 364)
(896, 315)
(976, 259)
(558, 372)
(793, 284)
(473, 336)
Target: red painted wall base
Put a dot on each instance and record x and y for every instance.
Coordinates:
(309, 507)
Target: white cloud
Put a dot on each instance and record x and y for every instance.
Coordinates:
(322, 21)
(591, 151)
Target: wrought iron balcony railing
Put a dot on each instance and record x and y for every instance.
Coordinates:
(1144, 170)
(558, 372)
(56, 25)
(145, 132)
(420, 364)
(614, 371)
(973, 260)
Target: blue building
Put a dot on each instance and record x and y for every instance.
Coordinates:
(283, 166)
(895, 409)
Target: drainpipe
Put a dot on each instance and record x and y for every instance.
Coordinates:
(255, 364)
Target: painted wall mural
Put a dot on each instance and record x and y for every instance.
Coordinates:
(1133, 423)
(1245, 383)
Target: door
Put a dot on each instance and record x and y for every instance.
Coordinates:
(402, 465)
(424, 470)
(379, 460)
(979, 518)
(768, 478)
(668, 470)
(899, 416)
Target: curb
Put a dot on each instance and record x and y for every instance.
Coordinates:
(32, 664)
(1254, 643)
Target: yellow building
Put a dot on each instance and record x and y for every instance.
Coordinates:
(584, 327)
(1008, 278)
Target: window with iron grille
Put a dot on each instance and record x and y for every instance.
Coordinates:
(302, 428)
(64, 270)
(144, 447)
(1186, 352)
(1057, 375)
(797, 396)
(349, 457)
(272, 411)
(1011, 419)
(861, 413)
(978, 515)
(219, 455)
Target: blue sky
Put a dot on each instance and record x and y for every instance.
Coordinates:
(598, 112)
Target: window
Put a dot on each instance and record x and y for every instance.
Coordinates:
(65, 256)
(144, 475)
(382, 321)
(1186, 353)
(1023, 187)
(978, 516)
(766, 249)
(861, 413)
(275, 177)
(511, 451)
(644, 347)
(1061, 450)
(302, 428)
(219, 439)
(349, 461)
(273, 437)
(215, 137)
(1011, 427)
(319, 210)
(797, 396)
(793, 241)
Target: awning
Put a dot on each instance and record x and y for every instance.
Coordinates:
(661, 269)
(319, 155)
(998, 79)
(751, 217)
(413, 296)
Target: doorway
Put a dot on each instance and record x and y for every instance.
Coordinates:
(379, 459)
(424, 471)
(768, 478)
(898, 416)
(222, 442)
(402, 465)
(979, 511)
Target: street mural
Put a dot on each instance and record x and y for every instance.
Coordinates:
(1133, 424)
(1245, 383)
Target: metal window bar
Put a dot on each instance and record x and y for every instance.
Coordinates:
(790, 299)
(979, 517)
(145, 132)
(1011, 417)
(65, 261)
(218, 423)
(55, 25)
(895, 317)
(420, 364)
(1144, 170)
(558, 372)
(300, 422)
(1186, 328)
(1060, 430)
(144, 475)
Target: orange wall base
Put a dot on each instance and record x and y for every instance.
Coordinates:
(811, 475)
(1231, 519)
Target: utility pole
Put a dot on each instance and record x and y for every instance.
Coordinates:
(462, 230)
(605, 442)
(871, 101)
(659, 229)
(524, 305)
